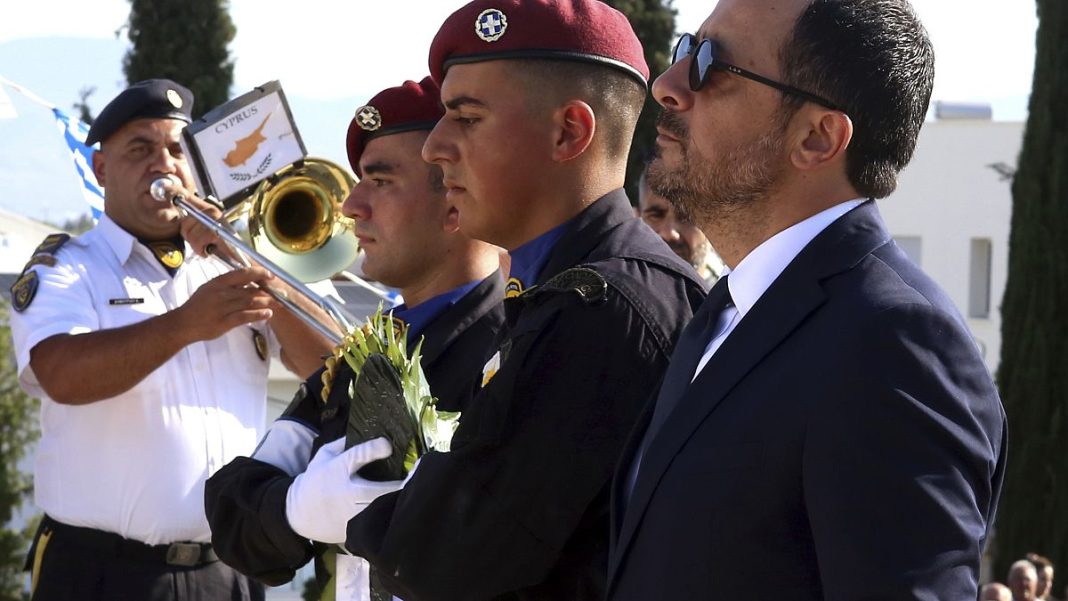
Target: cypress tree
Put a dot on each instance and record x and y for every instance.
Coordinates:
(654, 23)
(1033, 378)
(183, 40)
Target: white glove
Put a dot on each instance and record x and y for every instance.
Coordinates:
(323, 499)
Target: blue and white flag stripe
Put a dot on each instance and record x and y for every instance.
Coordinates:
(74, 132)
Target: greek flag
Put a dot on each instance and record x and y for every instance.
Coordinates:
(74, 132)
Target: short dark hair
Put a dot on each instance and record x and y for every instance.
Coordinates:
(616, 97)
(1039, 561)
(873, 59)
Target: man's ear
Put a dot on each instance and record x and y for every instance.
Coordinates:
(824, 139)
(576, 125)
(98, 167)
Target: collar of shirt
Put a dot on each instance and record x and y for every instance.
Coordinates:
(123, 243)
(420, 316)
(119, 240)
(529, 259)
(756, 272)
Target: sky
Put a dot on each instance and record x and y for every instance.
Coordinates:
(333, 55)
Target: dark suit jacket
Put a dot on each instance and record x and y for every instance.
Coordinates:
(845, 442)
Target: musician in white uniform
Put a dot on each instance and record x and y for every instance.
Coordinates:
(151, 365)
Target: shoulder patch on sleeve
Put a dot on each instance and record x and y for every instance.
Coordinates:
(589, 285)
(23, 290)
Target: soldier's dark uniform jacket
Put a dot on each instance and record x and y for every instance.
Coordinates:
(245, 500)
(519, 508)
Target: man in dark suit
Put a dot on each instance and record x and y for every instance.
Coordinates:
(826, 425)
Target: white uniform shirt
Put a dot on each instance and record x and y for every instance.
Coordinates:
(136, 464)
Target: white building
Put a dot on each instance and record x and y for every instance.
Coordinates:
(19, 236)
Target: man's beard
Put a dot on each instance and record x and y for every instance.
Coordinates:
(702, 190)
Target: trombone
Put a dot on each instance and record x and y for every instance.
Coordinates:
(285, 235)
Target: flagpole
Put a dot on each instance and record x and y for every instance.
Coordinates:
(27, 93)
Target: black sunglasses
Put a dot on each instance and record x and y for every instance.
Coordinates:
(704, 60)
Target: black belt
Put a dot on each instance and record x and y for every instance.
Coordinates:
(188, 554)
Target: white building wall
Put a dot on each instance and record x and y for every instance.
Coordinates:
(19, 236)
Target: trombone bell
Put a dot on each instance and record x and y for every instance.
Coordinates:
(294, 219)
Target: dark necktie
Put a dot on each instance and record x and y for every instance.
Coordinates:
(688, 352)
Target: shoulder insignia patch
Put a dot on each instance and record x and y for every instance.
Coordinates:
(589, 285)
(23, 291)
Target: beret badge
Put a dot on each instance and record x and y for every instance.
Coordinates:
(491, 25)
(368, 118)
(174, 98)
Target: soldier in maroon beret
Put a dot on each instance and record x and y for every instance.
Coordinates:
(541, 102)
(266, 511)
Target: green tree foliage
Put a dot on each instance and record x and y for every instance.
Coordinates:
(18, 430)
(1034, 329)
(78, 225)
(654, 22)
(311, 590)
(81, 108)
(183, 40)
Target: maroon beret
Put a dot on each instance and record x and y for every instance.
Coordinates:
(408, 107)
(583, 30)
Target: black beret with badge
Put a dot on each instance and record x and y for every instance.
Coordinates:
(149, 99)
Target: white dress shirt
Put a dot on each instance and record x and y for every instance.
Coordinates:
(762, 266)
(135, 464)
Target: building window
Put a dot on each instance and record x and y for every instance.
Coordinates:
(979, 279)
(912, 245)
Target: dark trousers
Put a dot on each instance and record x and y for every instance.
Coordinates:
(89, 565)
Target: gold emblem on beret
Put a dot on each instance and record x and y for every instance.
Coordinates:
(174, 98)
(368, 118)
(491, 25)
(23, 291)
